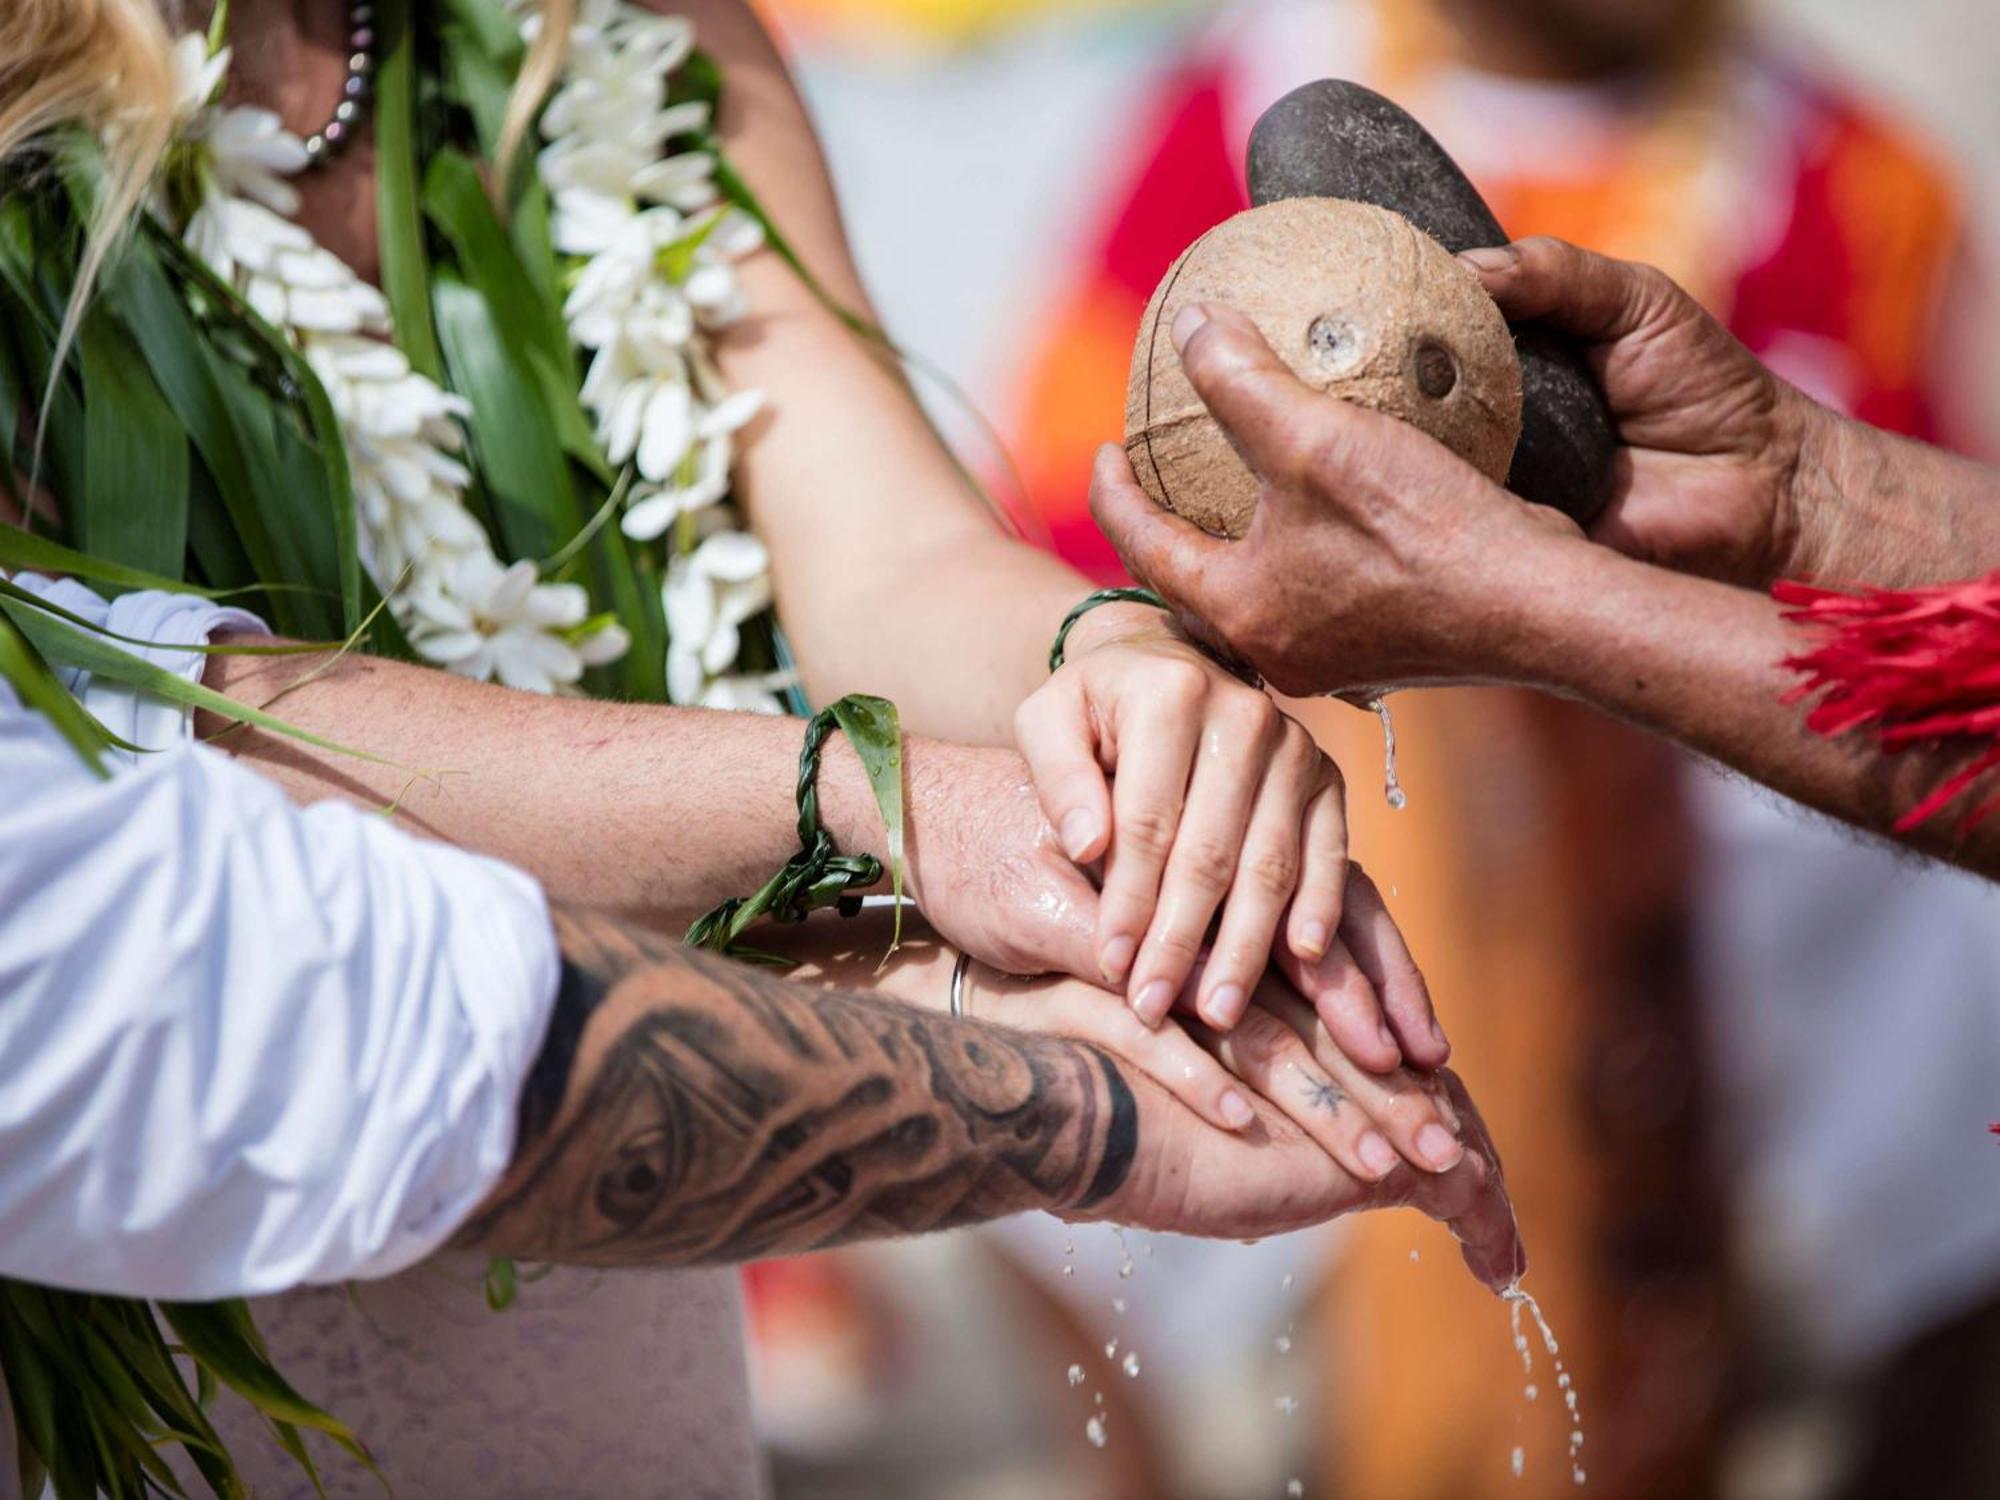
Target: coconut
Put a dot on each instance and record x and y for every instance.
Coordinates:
(1362, 306)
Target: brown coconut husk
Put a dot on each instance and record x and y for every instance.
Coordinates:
(1361, 305)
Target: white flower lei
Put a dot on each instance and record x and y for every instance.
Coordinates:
(653, 248)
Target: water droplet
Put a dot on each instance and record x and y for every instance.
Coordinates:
(1295, 1488)
(1392, 789)
(1286, 1283)
(1131, 1366)
(1094, 1430)
(1414, 1256)
(1517, 1300)
(1076, 1374)
(1288, 1403)
(1125, 1269)
(1282, 1343)
(1069, 1270)
(1118, 1304)
(1111, 1349)
(1518, 1461)
(1098, 1397)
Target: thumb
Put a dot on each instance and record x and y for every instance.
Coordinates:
(1579, 291)
(1054, 732)
(1061, 915)
(1268, 412)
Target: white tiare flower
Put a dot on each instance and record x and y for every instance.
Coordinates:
(479, 619)
(620, 297)
(748, 693)
(696, 485)
(237, 151)
(644, 402)
(282, 272)
(401, 432)
(709, 594)
(587, 222)
(247, 153)
(197, 76)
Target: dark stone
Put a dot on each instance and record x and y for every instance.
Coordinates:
(1335, 139)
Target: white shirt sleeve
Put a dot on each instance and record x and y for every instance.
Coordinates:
(243, 1046)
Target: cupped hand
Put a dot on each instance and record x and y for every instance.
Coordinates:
(1712, 439)
(1274, 1176)
(1198, 795)
(1376, 558)
(1322, 1136)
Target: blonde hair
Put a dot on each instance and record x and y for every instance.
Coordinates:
(104, 64)
(107, 65)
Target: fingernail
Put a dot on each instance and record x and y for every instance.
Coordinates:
(1186, 321)
(1079, 830)
(1236, 1111)
(1439, 1151)
(1153, 1002)
(1376, 1154)
(1437, 1034)
(1312, 940)
(1118, 954)
(1490, 257)
(1221, 1007)
(1443, 1101)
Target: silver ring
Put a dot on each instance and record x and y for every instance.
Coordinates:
(958, 986)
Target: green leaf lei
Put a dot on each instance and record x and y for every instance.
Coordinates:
(193, 447)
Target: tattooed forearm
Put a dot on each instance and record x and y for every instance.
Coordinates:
(685, 1109)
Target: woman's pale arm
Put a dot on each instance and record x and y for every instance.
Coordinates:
(1198, 797)
(891, 574)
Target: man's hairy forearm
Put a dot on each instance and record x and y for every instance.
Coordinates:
(1871, 507)
(687, 1109)
(1702, 663)
(654, 812)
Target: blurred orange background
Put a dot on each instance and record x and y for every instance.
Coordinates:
(1738, 1065)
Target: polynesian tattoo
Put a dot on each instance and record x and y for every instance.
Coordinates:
(688, 1109)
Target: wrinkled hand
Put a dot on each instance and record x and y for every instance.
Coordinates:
(1377, 558)
(1712, 440)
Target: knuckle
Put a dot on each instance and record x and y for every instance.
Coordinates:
(1203, 863)
(1177, 946)
(1181, 683)
(1272, 871)
(1148, 830)
(1261, 1035)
